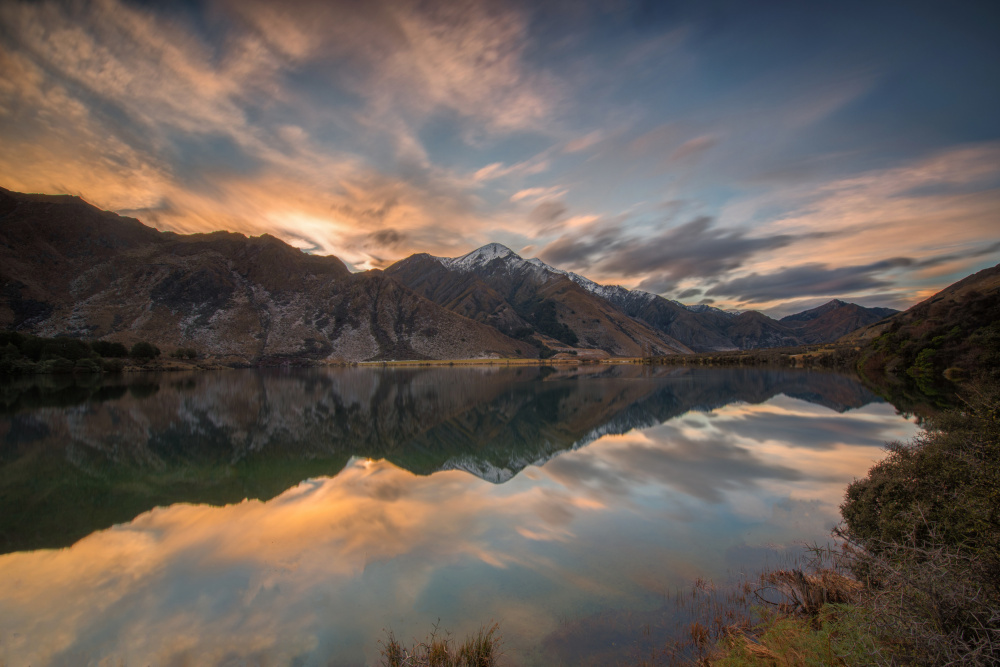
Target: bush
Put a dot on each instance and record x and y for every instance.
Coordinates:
(67, 348)
(924, 526)
(56, 365)
(86, 366)
(144, 351)
(108, 349)
(112, 365)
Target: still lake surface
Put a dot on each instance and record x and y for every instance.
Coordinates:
(290, 517)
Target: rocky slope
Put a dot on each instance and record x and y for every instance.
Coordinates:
(495, 286)
(531, 301)
(67, 268)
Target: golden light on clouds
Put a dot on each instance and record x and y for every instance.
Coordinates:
(378, 130)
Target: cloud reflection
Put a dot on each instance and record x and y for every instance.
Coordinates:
(322, 568)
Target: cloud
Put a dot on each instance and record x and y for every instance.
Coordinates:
(538, 193)
(535, 165)
(693, 147)
(549, 216)
(583, 143)
(386, 238)
(694, 249)
(136, 112)
(810, 280)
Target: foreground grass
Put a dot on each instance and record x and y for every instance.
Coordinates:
(482, 649)
(837, 635)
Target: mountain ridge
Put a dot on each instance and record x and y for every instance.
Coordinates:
(700, 328)
(71, 269)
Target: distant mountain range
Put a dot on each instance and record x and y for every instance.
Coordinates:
(68, 268)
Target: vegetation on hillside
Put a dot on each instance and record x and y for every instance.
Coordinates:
(23, 354)
(831, 356)
(955, 338)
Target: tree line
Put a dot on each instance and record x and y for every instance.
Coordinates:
(22, 353)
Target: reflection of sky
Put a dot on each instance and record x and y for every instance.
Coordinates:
(319, 571)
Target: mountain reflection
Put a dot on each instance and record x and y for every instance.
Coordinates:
(79, 456)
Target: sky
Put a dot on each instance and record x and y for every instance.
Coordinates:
(762, 155)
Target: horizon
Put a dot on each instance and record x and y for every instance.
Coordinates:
(771, 158)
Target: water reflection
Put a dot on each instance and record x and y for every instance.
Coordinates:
(80, 457)
(685, 473)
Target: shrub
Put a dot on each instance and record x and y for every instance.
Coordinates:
(924, 526)
(108, 349)
(113, 365)
(482, 649)
(67, 348)
(56, 365)
(86, 366)
(144, 351)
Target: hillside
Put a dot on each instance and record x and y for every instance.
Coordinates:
(531, 301)
(956, 333)
(832, 320)
(67, 268)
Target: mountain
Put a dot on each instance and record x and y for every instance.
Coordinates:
(529, 300)
(706, 329)
(68, 268)
(955, 333)
(832, 320)
(703, 329)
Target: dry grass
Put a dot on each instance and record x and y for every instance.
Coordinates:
(482, 649)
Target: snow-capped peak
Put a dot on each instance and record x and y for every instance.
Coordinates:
(480, 257)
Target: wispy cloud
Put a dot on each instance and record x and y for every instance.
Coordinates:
(809, 280)
(373, 130)
(695, 249)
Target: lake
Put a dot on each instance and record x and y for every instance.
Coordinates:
(254, 517)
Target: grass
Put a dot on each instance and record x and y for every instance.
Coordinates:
(837, 635)
(482, 649)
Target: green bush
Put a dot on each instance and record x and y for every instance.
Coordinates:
(946, 481)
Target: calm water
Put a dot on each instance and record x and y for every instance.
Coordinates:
(280, 518)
